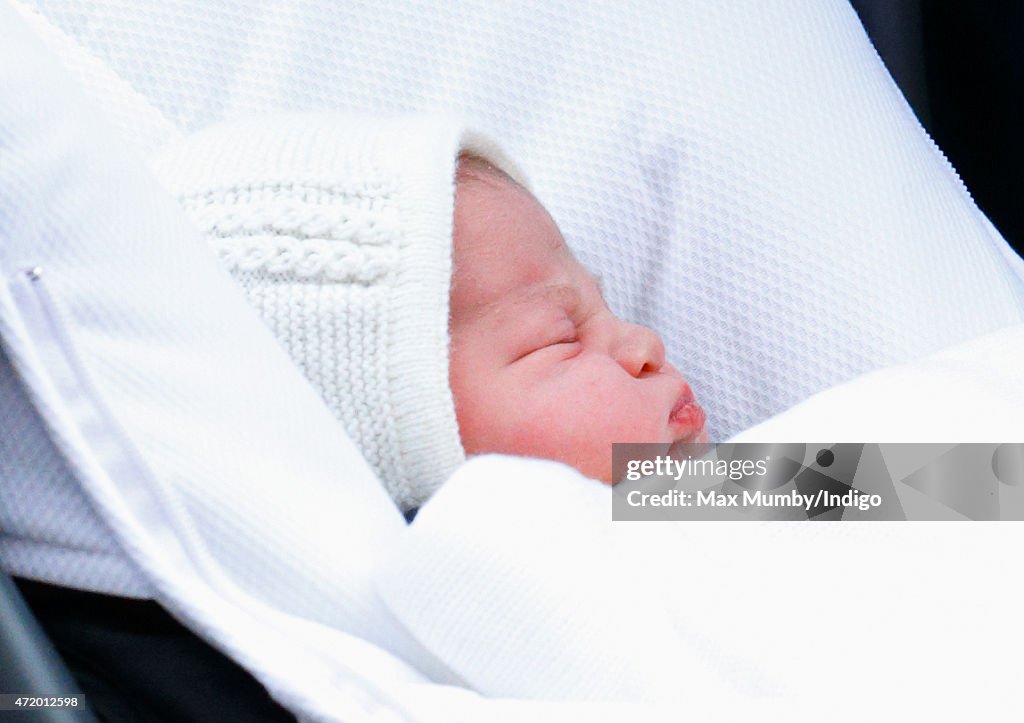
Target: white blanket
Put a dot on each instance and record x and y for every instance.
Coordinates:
(761, 168)
(522, 555)
(969, 392)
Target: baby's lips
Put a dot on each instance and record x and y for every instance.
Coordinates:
(687, 415)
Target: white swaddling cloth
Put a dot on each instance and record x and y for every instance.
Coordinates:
(739, 152)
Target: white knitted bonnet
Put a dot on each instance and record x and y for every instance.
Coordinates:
(340, 231)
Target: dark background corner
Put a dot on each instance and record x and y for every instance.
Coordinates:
(960, 64)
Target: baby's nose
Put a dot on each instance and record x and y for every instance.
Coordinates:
(640, 350)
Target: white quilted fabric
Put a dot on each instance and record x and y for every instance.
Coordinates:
(48, 528)
(745, 176)
(749, 164)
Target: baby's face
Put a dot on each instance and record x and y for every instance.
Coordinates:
(539, 365)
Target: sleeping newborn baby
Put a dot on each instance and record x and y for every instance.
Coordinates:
(539, 365)
(426, 295)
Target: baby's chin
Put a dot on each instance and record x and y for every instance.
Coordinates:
(699, 436)
(693, 444)
(686, 425)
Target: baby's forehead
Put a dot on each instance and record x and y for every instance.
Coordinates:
(470, 167)
(509, 251)
(565, 292)
(557, 293)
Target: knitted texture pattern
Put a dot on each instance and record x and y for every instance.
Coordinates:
(339, 230)
(745, 176)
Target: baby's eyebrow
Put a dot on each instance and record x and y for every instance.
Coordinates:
(563, 294)
(559, 294)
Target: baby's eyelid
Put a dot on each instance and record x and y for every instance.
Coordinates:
(572, 333)
(583, 316)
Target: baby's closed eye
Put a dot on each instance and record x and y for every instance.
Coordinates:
(546, 338)
(566, 333)
(563, 341)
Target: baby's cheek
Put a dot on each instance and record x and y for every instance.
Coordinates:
(628, 425)
(508, 417)
(482, 408)
(631, 415)
(552, 425)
